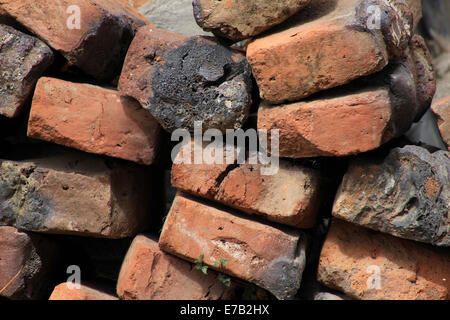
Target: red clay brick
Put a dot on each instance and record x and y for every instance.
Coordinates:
(148, 273)
(75, 193)
(93, 119)
(328, 45)
(98, 47)
(291, 196)
(408, 270)
(27, 261)
(271, 257)
(63, 292)
(358, 117)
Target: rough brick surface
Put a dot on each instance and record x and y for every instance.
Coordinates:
(148, 273)
(352, 256)
(291, 196)
(23, 59)
(268, 256)
(238, 20)
(181, 80)
(441, 109)
(328, 44)
(100, 43)
(93, 119)
(406, 194)
(63, 292)
(75, 194)
(358, 117)
(26, 263)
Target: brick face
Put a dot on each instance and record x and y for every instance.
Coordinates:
(270, 257)
(408, 270)
(100, 43)
(290, 196)
(93, 119)
(26, 264)
(23, 59)
(325, 46)
(358, 117)
(75, 194)
(148, 273)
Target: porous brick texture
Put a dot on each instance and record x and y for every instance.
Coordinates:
(224, 150)
(92, 35)
(358, 117)
(271, 257)
(328, 44)
(291, 196)
(74, 193)
(181, 80)
(238, 20)
(23, 59)
(93, 119)
(148, 273)
(405, 194)
(374, 266)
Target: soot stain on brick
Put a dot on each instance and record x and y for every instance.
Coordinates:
(117, 35)
(283, 275)
(396, 22)
(23, 205)
(201, 80)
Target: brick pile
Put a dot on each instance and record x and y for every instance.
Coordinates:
(93, 207)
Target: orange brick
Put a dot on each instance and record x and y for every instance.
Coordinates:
(328, 44)
(352, 257)
(147, 273)
(270, 257)
(63, 292)
(358, 117)
(93, 119)
(290, 196)
(100, 43)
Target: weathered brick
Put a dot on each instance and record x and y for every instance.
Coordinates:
(27, 261)
(92, 119)
(290, 196)
(239, 20)
(63, 292)
(358, 117)
(441, 109)
(328, 44)
(148, 273)
(270, 257)
(23, 59)
(352, 258)
(100, 43)
(75, 193)
(185, 79)
(406, 194)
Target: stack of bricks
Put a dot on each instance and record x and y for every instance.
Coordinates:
(90, 91)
